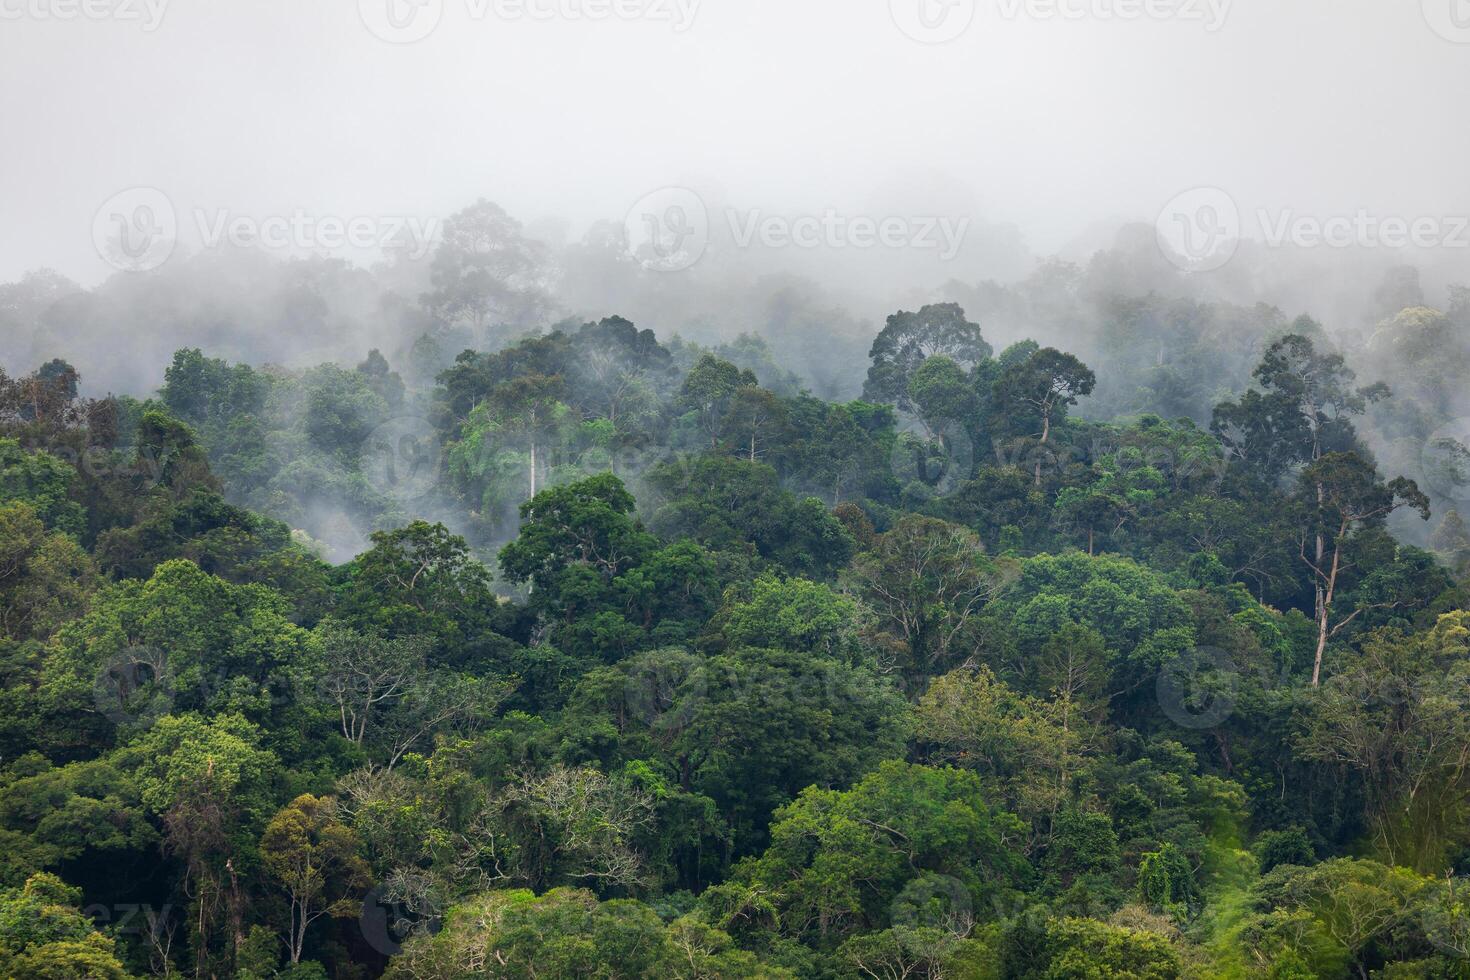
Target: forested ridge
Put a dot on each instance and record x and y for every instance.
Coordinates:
(1147, 661)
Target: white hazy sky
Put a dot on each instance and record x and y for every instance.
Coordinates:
(262, 107)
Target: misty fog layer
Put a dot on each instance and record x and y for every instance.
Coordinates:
(280, 186)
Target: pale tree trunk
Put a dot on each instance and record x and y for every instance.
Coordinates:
(1045, 435)
(1325, 592)
(1323, 595)
(298, 932)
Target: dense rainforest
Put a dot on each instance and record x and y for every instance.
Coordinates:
(1148, 660)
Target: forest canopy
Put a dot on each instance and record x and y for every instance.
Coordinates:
(559, 647)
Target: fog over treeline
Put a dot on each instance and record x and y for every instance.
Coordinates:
(817, 307)
(1164, 336)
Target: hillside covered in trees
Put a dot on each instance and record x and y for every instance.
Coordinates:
(646, 661)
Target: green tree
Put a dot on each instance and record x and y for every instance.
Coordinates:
(1302, 408)
(45, 936)
(44, 483)
(1343, 495)
(1360, 907)
(515, 935)
(1122, 613)
(1035, 394)
(749, 728)
(1032, 748)
(793, 614)
(586, 524)
(314, 857)
(708, 397)
(1166, 883)
(1396, 715)
(418, 580)
(212, 786)
(1085, 949)
(909, 339)
(927, 581)
(733, 505)
(45, 579)
(838, 860)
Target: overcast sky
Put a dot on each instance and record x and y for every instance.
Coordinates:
(275, 107)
